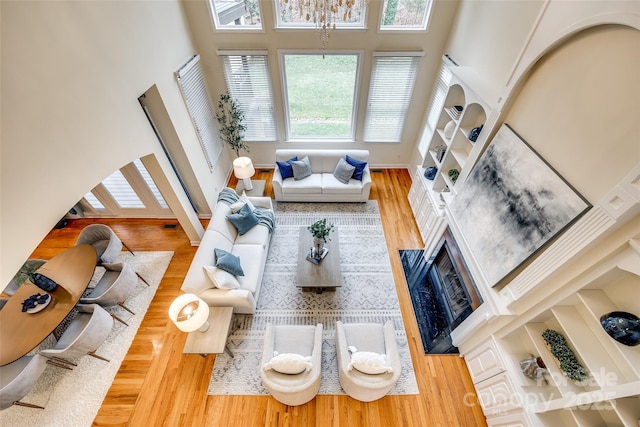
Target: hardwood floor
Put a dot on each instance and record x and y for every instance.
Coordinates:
(157, 385)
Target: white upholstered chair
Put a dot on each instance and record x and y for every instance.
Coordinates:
(367, 337)
(18, 378)
(106, 243)
(116, 285)
(303, 340)
(86, 332)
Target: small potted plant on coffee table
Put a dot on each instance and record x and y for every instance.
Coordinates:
(320, 231)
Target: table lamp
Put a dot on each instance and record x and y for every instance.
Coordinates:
(243, 169)
(189, 313)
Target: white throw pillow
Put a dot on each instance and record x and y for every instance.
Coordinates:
(369, 363)
(288, 363)
(235, 207)
(220, 278)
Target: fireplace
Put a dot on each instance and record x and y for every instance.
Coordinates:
(442, 292)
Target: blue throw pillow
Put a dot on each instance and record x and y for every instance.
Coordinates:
(228, 262)
(286, 171)
(244, 219)
(359, 165)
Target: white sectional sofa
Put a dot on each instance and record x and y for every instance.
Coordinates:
(322, 185)
(251, 248)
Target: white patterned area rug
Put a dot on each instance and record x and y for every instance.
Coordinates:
(368, 294)
(73, 398)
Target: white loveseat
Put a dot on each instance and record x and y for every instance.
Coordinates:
(322, 185)
(251, 248)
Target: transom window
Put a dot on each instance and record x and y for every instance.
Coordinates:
(320, 93)
(288, 17)
(237, 15)
(405, 15)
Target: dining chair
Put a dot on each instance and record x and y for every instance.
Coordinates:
(18, 378)
(88, 330)
(106, 243)
(114, 287)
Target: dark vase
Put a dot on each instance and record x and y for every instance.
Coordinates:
(622, 326)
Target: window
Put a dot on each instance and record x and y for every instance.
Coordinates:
(196, 97)
(405, 15)
(236, 15)
(320, 94)
(393, 75)
(248, 81)
(288, 17)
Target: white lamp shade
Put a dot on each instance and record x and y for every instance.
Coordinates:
(188, 312)
(243, 168)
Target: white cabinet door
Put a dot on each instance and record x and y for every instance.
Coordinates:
(518, 419)
(484, 361)
(497, 394)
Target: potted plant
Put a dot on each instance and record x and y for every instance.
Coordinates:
(231, 122)
(320, 231)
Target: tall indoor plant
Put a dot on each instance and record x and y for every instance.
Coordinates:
(231, 123)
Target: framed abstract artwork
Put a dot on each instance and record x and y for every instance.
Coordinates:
(512, 204)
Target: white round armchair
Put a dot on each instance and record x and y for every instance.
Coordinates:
(303, 342)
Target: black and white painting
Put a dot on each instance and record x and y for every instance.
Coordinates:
(512, 203)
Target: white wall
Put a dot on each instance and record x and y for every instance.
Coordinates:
(432, 43)
(579, 108)
(571, 94)
(71, 75)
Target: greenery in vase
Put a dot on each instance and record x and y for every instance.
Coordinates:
(561, 351)
(321, 229)
(230, 120)
(453, 174)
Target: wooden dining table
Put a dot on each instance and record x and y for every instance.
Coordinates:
(21, 332)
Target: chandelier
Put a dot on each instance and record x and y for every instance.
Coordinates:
(324, 13)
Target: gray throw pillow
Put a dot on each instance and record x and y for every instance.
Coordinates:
(228, 262)
(343, 171)
(301, 168)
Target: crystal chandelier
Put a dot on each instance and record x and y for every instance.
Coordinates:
(324, 13)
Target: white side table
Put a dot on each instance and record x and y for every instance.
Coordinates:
(257, 190)
(214, 339)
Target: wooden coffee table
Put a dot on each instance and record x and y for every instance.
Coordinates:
(326, 274)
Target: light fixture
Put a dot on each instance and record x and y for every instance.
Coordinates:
(189, 313)
(243, 169)
(325, 13)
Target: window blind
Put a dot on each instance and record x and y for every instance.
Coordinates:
(439, 94)
(249, 84)
(196, 97)
(393, 76)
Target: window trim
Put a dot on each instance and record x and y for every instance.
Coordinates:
(285, 100)
(217, 28)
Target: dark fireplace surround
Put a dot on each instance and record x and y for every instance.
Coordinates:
(442, 292)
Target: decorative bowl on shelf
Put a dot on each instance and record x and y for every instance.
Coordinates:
(622, 326)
